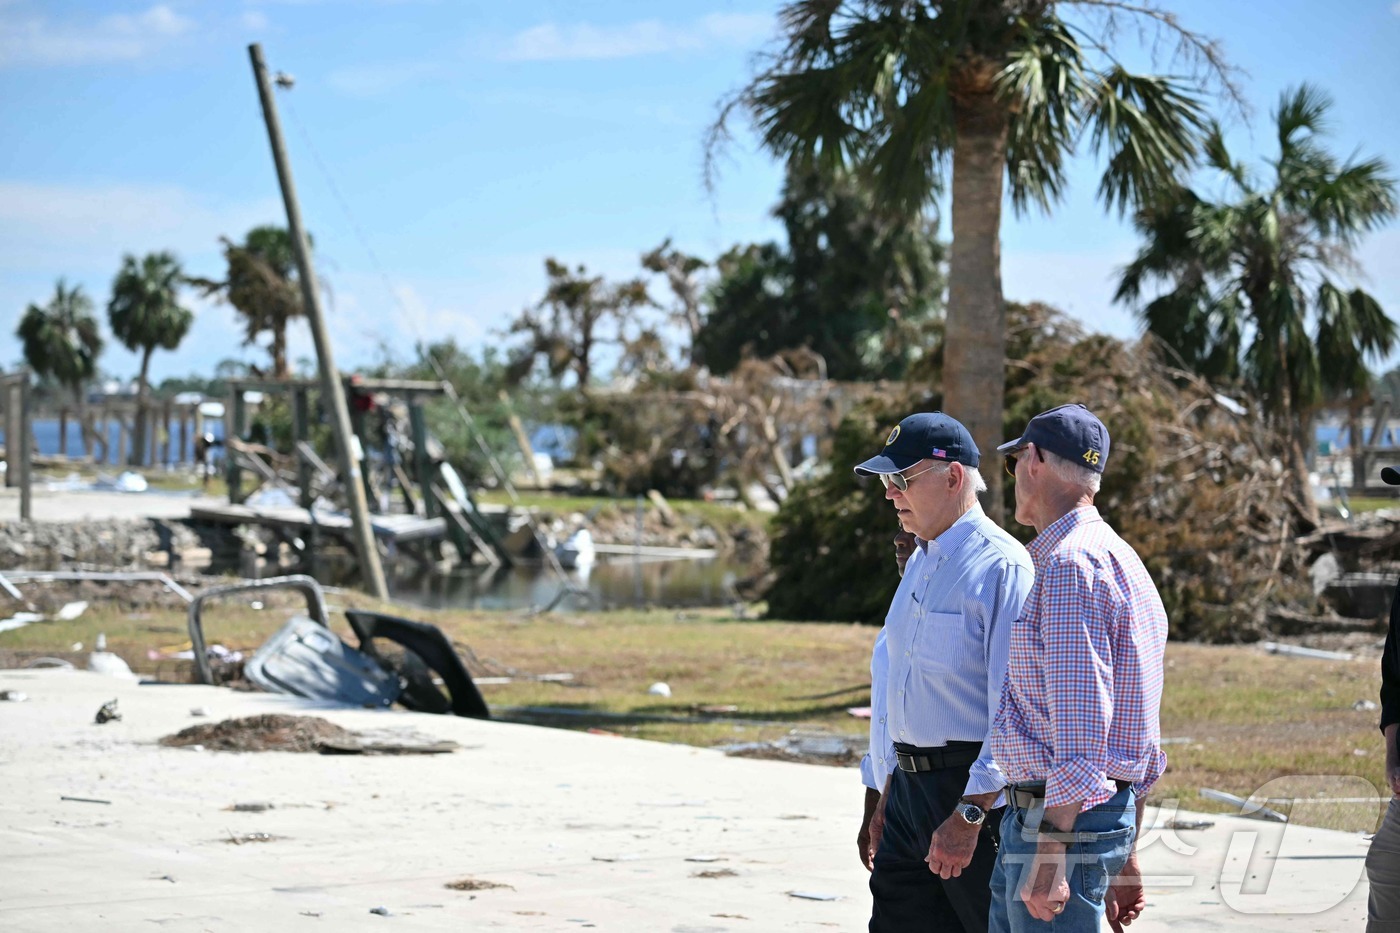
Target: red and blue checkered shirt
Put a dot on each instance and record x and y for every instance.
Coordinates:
(1080, 702)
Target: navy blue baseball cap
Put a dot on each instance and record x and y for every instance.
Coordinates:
(1071, 431)
(929, 435)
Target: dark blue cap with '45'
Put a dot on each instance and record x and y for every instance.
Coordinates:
(925, 436)
(1071, 431)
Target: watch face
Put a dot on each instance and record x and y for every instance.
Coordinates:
(973, 813)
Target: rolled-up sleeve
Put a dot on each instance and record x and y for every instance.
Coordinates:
(1009, 585)
(1078, 680)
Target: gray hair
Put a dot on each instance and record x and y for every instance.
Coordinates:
(1074, 474)
(974, 476)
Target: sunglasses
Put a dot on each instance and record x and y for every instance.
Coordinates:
(1011, 459)
(900, 481)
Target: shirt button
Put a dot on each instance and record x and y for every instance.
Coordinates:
(906, 654)
(925, 576)
(882, 720)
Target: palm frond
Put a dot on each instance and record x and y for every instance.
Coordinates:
(1044, 85)
(1151, 131)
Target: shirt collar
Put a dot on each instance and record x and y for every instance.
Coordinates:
(947, 544)
(1045, 542)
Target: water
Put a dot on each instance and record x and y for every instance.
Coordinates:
(614, 584)
(46, 437)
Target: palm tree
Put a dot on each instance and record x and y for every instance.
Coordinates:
(263, 286)
(145, 313)
(1252, 279)
(61, 340)
(913, 92)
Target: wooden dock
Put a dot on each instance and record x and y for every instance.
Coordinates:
(412, 534)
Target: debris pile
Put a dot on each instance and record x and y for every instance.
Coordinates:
(275, 732)
(269, 732)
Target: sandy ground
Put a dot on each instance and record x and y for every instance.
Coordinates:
(585, 831)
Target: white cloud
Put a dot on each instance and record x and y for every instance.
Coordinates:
(254, 20)
(584, 41)
(37, 40)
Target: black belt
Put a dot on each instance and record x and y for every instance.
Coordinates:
(1026, 795)
(952, 755)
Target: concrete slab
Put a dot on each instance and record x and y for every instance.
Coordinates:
(48, 505)
(587, 831)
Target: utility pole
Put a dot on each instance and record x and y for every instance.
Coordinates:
(347, 445)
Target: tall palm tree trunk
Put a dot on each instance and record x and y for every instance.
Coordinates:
(139, 441)
(974, 355)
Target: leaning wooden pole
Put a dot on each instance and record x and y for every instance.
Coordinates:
(333, 392)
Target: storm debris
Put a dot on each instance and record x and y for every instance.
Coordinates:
(475, 884)
(275, 732)
(108, 713)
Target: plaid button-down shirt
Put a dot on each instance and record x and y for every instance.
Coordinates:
(1079, 706)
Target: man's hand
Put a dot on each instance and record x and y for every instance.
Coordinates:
(950, 850)
(903, 547)
(1046, 890)
(877, 826)
(867, 854)
(1125, 900)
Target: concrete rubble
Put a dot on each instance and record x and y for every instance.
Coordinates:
(521, 828)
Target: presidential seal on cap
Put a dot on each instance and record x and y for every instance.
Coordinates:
(924, 436)
(1069, 431)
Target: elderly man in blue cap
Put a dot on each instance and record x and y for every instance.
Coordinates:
(944, 658)
(1077, 732)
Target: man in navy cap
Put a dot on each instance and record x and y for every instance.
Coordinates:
(943, 657)
(1077, 733)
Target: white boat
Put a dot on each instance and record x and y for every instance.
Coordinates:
(576, 551)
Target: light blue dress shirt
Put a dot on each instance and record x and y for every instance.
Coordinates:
(877, 764)
(947, 638)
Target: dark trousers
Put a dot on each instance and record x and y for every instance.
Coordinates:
(909, 897)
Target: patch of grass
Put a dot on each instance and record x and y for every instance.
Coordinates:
(1372, 503)
(1237, 718)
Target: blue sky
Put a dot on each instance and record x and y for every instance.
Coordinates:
(443, 149)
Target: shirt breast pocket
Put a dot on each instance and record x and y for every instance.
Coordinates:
(943, 642)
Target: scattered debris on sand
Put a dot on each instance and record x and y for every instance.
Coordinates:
(475, 884)
(275, 732)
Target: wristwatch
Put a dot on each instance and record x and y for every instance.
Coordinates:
(972, 814)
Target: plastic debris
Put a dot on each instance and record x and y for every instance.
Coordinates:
(103, 661)
(1298, 651)
(660, 689)
(381, 911)
(1188, 824)
(815, 896)
(13, 696)
(71, 611)
(200, 711)
(1256, 811)
(108, 713)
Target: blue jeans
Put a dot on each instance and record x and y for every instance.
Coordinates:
(1105, 839)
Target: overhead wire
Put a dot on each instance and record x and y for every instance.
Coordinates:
(567, 585)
